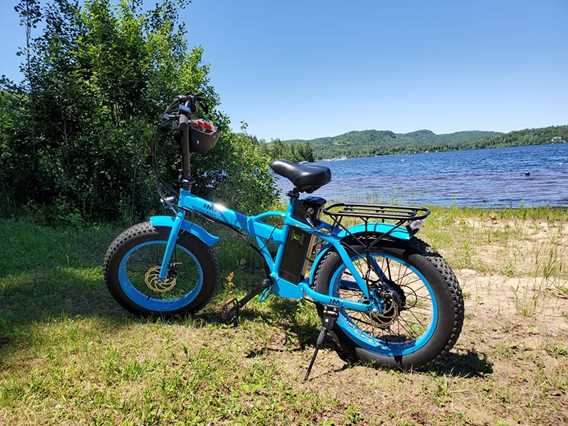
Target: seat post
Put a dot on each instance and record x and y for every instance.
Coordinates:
(294, 193)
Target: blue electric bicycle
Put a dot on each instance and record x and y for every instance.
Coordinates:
(383, 295)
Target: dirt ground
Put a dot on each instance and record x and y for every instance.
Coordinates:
(510, 365)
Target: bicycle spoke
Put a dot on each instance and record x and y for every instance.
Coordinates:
(399, 321)
(405, 326)
(398, 275)
(150, 257)
(362, 321)
(399, 280)
(415, 317)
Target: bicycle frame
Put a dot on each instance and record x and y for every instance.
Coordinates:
(255, 227)
(263, 233)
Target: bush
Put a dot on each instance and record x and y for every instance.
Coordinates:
(76, 134)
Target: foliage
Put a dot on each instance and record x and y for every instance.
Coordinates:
(240, 165)
(76, 133)
(278, 150)
(552, 134)
(381, 142)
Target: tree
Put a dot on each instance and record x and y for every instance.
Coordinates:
(278, 150)
(97, 78)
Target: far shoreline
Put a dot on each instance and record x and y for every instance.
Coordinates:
(437, 151)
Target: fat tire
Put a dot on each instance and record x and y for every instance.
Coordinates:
(144, 232)
(445, 286)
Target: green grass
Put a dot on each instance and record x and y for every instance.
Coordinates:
(87, 360)
(74, 356)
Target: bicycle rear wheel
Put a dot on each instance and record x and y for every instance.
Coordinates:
(422, 313)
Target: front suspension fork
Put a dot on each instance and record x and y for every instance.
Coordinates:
(171, 245)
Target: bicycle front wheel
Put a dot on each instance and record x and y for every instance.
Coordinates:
(132, 266)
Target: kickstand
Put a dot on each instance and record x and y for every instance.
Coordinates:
(330, 314)
(232, 308)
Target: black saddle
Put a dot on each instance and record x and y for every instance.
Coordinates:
(305, 177)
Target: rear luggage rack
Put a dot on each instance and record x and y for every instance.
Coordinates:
(410, 218)
(371, 211)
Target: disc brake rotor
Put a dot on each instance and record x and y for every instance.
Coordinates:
(155, 283)
(394, 301)
(387, 316)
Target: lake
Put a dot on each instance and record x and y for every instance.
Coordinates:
(534, 175)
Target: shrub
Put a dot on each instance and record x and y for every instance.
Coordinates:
(76, 133)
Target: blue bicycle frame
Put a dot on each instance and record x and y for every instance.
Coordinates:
(263, 233)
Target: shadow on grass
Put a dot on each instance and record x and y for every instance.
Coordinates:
(469, 363)
(33, 298)
(461, 363)
(39, 296)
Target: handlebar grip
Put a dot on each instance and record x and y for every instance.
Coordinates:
(183, 120)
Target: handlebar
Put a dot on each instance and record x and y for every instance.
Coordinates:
(184, 106)
(188, 104)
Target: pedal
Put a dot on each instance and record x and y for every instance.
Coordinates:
(232, 308)
(230, 312)
(264, 294)
(330, 314)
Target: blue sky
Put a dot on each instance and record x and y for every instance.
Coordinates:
(303, 69)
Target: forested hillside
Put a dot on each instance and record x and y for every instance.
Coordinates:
(552, 134)
(381, 142)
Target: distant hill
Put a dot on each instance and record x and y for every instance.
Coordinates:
(381, 142)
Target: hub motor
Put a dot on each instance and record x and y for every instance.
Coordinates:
(394, 300)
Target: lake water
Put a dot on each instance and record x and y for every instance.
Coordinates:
(502, 177)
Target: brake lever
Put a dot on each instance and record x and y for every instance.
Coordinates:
(167, 119)
(186, 109)
(188, 103)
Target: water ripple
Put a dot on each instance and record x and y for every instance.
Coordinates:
(502, 177)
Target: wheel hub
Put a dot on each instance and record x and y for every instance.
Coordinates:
(393, 301)
(158, 285)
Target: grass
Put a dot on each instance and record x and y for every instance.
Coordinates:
(73, 356)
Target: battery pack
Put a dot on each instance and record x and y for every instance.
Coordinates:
(296, 249)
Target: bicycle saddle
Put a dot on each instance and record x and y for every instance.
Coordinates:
(305, 177)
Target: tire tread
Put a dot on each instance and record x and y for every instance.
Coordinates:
(141, 230)
(346, 348)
